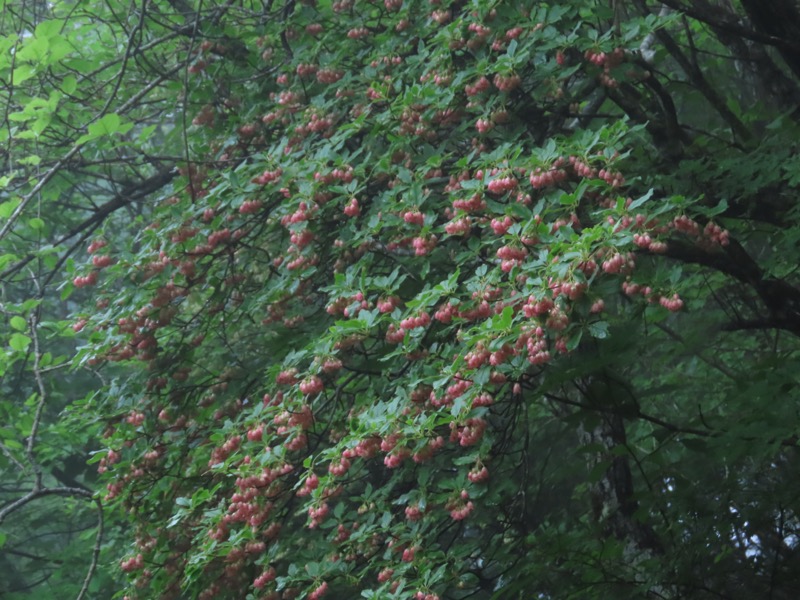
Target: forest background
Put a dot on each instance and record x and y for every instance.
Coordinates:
(399, 299)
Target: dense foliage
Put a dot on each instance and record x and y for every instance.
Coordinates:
(401, 299)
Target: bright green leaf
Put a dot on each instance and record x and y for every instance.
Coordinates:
(19, 342)
(18, 323)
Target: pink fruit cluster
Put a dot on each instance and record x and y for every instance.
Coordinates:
(472, 204)
(421, 320)
(352, 209)
(645, 242)
(672, 304)
(607, 61)
(459, 226)
(461, 507)
(358, 33)
(479, 86)
(319, 591)
(250, 207)
(85, 280)
(414, 217)
(387, 305)
(484, 125)
(318, 514)
(133, 563)
(96, 245)
(618, 263)
(501, 185)
(510, 257)
(309, 485)
(478, 474)
(311, 386)
(501, 226)
(540, 179)
(507, 83)
(265, 577)
(471, 432)
(424, 244)
(268, 176)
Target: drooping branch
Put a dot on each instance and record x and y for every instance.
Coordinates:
(781, 298)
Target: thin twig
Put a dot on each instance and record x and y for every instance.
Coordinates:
(95, 552)
(37, 419)
(721, 368)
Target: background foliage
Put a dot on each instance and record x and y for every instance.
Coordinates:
(399, 299)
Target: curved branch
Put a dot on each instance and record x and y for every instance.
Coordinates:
(780, 297)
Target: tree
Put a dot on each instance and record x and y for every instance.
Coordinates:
(425, 301)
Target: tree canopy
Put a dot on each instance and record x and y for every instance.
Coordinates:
(400, 299)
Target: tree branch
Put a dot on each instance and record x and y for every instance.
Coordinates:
(41, 493)
(131, 193)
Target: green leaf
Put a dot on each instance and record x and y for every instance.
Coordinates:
(8, 207)
(574, 341)
(30, 160)
(598, 330)
(146, 133)
(23, 73)
(69, 84)
(19, 342)
(5, 180)
(639, 201)
(107, 125)
(18, 323)
(506, 317)
(512, 48)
